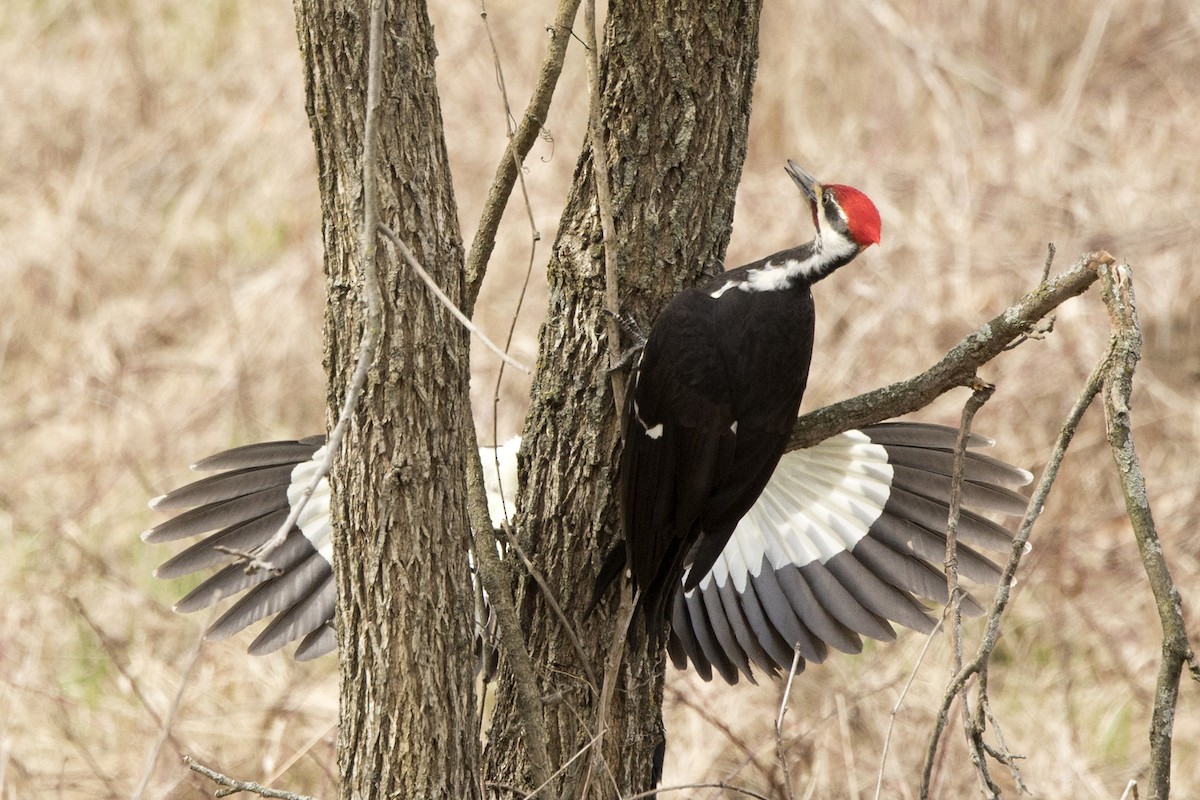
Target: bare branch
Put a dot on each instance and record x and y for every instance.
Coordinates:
(957, 367)
(518, 147)
(974, 734)
(1117, 288)
(612, 296)
(535, 235)
(496, 579)
(233, 785)
(992, 629)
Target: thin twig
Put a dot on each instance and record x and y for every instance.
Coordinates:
(234, 785)
(1004, 755)
(445, 300)
(724, 787)
(555, 608)
(1051, 251)
(981, 394)
(563, 768)
(164, 731)
(887, 739)
(704, 712)
(372, 299)
(535, 236)
(780, 752)
(612, 667)
(301, 752)
(608, 228)
(113, 650)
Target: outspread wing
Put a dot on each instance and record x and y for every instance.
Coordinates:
(242, 506)
(847, 538)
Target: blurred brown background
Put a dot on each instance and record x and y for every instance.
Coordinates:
(160, 256)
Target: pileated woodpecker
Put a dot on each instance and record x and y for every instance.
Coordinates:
(715, 395)
(753, 554)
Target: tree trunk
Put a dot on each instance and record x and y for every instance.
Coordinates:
(675, 105)
(408, 725)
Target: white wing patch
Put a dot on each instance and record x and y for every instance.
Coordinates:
(819, 502)
(314, 519)
(501, 486)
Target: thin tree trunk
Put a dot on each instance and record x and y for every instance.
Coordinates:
(675, 106)
(404, 628)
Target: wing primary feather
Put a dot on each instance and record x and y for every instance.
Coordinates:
(813, 614)
(321, 641)
(842, 605)
(747, 639)
(707, 639)
(770, 640)
(877, 596)
(237, 538)
(272, 596)
(683, 631)
(309, 613)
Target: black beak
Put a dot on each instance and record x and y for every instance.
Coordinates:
(807, 183)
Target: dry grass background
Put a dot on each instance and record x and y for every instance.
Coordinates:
(160, 253)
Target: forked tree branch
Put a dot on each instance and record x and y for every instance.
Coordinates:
(974, 735)
(1125, 352)
(518, 147)
(494, 574)
(1113, 379)
(991, 633)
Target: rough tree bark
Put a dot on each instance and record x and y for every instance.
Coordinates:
(677, 81)
(675, 106)
(407, 725)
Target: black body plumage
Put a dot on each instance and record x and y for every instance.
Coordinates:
(713, 401)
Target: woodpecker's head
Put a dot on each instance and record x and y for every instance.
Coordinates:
(845, 218)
